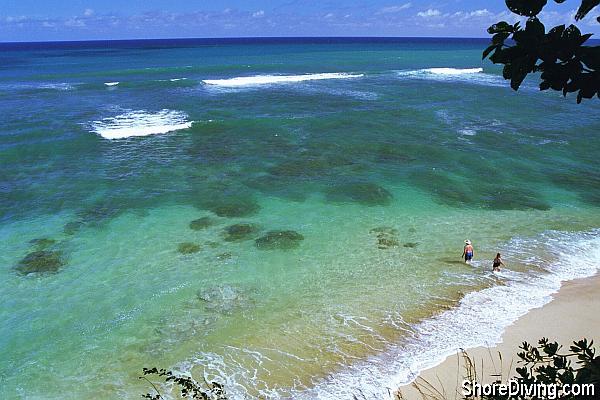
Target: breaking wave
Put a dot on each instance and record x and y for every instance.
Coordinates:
(140, 123)
(554, 256)
(562, 256)
(466, 75)
(258, 80)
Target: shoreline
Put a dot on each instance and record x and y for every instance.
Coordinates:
(567, 317)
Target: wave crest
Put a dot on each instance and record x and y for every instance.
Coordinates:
(140, 123)
(564, 256)
(257, 80)
(466, 75)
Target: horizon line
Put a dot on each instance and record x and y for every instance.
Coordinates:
(240, 37)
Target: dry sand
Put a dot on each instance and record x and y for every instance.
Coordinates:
(573, 314)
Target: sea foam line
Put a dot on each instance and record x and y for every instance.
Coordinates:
(441, 71)
(277, 79)
(140, 123)
(466, 75)
(479, 319)
(37, 86)
(486, 314)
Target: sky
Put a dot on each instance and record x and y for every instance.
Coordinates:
(46, 20)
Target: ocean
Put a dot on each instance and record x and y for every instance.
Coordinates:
(284, 216)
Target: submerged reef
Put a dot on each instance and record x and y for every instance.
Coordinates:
(239, 232)
(232, 207)
(188, 248)
(72, 227)
(304, 167)
(42, 243)
(201, 223)
(515, 198)
(364, 193)
(40, 261)
(236, 208)
(454, 191)
(289, 188)
(387, 237)
(283, 240)
(224, 256)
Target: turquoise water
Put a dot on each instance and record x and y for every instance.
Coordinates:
(375, 158)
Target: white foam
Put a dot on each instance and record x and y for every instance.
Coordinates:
(41, 86)
(277, 79)
(467, 75)
(467, 132)
(140, 123)
(479, 320)
(56, 86)
(111, 83)
(453, 71)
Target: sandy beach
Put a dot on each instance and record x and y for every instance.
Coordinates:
(571, 315)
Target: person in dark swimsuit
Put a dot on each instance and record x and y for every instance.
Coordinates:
(497, 263)
(468, 251)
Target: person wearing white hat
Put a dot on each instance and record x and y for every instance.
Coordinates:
(468, 251)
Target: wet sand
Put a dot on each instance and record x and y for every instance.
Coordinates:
(573, 314)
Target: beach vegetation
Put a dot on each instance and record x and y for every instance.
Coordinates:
(186, 385)
(540, 367)
(560, 55)
(548, 364)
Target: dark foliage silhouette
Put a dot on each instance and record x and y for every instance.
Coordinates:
(566, 64)
(546, 364)
(188, 387)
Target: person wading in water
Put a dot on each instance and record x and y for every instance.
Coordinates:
(497, 263)
(468, 252)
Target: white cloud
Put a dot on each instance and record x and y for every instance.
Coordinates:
(395, 9)
(74, 23)
(430, 13)
(21, 18)
(479, 13)
(551, 18)
(88, 12)
(258, 14)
